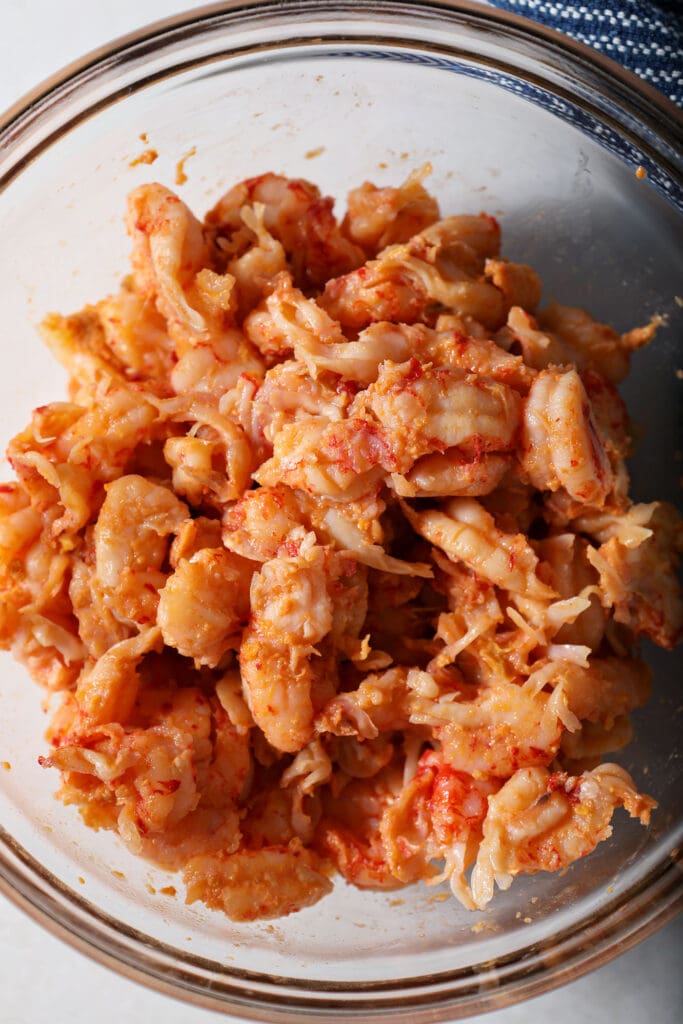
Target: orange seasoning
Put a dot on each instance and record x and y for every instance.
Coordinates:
(148, 157)
(180, 176)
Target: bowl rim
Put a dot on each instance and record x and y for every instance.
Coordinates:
(629, 918)
(670, 113)
(653, 125)
(655, 899)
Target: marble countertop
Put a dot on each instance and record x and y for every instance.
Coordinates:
(41, 979)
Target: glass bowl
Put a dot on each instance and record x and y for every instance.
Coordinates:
(537, 130)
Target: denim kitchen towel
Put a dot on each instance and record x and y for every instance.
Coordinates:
(646, 38)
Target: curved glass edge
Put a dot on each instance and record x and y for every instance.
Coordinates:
(525, 977)
(198, 19)
(642, 106)
(669, 184)
(600, 122)
(588, 944)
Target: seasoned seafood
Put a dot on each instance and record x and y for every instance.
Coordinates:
(329, 559)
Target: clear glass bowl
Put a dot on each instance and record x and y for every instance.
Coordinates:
(516, 120)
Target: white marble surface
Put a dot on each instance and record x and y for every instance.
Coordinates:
(42, 979)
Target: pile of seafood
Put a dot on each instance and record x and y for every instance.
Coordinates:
(328, 564)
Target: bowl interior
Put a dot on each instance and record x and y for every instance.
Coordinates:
(340, 111)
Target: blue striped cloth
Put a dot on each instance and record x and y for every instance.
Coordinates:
(646, 38)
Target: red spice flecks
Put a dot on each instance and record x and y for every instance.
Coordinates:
(404, 847)
(250, 379)
(348, 568)
(492, 221)
(302, 190)
(358, 445)
(414, 371)
(291, 548)
(479, 446)
(461, 341)
(347, 387)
